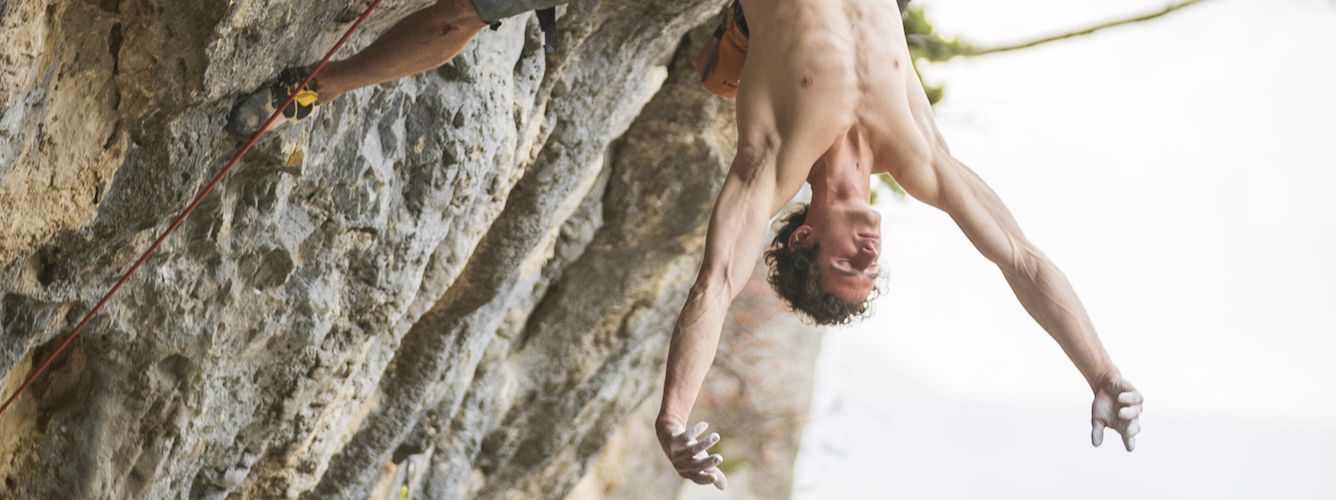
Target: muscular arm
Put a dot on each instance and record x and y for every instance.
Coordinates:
(1039, 285)
(734, 242)
(944, 182)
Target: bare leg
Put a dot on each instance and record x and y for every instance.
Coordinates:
(421, 41)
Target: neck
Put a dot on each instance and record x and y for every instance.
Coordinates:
(842, 176)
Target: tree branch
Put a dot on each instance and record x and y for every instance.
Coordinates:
(972, 51)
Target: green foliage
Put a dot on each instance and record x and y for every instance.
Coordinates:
(926, 44)
(886, 184)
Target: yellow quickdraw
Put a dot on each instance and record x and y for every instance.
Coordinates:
(306, 97)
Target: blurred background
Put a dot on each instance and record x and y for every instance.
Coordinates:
(1181, 172)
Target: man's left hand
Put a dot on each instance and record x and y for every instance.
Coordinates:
(1117, 405)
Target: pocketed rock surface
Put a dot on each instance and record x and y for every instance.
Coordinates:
(462, 281)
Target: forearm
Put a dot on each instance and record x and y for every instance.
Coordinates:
(733, 243)
(691, 351)
(1049, 298)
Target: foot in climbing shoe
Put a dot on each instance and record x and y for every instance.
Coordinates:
(252, 111)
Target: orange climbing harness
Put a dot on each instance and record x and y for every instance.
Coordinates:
(208, 188)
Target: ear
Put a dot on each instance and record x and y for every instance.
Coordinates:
(801, 237)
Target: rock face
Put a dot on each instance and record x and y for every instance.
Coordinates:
(461, 282)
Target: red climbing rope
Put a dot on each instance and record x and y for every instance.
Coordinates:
(213, 183)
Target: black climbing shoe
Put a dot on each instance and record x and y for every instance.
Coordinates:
(252, 111)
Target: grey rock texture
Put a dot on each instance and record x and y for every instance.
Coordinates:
(461, 282)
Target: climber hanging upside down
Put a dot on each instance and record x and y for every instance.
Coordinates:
(419, 42)
(828, 96)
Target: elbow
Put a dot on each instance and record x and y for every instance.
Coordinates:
(709, 284)
(706, 302)
(712, 290)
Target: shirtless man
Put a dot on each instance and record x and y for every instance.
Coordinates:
(828, 96)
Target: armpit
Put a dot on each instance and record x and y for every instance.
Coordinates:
(753, 156)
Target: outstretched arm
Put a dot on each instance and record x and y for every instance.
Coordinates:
(784, 126)
(944, 182)
(1041, 287)
(733, 243)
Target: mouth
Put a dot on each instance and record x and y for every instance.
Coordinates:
(870, 236)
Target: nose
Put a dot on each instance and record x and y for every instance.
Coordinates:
(871, 247)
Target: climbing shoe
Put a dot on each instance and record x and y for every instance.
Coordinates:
(252, 111)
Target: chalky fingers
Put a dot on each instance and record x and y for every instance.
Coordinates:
(1129, 417)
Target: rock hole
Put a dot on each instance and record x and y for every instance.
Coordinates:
(406, 450)
(109, 6)
(45, 265)
(175, 369)
(449, 156)
(269, 269)
(65, 386)
(114, 40)
(456, 70)
(111, 138)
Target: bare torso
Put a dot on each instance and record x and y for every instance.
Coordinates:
(830, 76)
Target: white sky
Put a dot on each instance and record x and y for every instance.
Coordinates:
(1182, 173)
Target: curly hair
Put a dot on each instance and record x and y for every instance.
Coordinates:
(795, 277)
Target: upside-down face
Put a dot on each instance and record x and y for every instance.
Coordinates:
(848, 240)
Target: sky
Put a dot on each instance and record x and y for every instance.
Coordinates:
(1182, 174)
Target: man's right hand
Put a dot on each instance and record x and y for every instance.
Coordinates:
(689, 456)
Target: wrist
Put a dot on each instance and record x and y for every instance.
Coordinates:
(665, 424)
(1104, 378)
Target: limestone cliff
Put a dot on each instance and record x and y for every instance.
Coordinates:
(461, 281)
